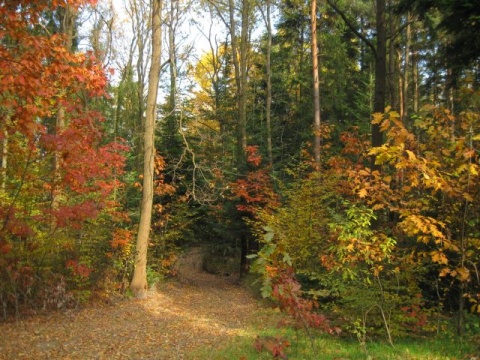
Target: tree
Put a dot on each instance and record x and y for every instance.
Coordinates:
(58, 174)
(139, 284)
(316, 81)
(460, 20)
(380, 52)
(268, 67)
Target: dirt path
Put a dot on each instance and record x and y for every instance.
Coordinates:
(199, 311)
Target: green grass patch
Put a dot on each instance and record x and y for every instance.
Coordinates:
(326, 347)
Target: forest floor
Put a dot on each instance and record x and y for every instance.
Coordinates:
(199, 311)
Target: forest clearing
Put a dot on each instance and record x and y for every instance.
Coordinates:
(240, 179)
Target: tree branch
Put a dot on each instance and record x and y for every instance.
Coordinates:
(352, 27)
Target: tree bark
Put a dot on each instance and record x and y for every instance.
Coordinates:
(4, 155)
(139, 284)
(172, 56)
(406, 82)
(316, 82)
(380, 73)
(394, 64)
(67, 28)
(415, 80)
(268, 115)
(138, 29)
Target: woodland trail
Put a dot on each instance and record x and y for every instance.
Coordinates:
(198, 311)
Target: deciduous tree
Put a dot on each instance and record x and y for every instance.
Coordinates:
(139, 284)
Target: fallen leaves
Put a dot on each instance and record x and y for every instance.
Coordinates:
(171, 323)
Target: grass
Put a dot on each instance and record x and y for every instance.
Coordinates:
(326, 347)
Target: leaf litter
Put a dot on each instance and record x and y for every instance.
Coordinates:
(200, 311)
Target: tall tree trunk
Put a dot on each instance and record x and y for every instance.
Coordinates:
(316, 82)
(138, 23)
(393, 75)
(415, 80)
(268, 115)
(172, 56)
(4, 155)
(67, 28)
(405, 69)
(139, 284)
(242, 103)
(380, 73)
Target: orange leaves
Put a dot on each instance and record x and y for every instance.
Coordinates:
(439, 257)
(256, 190)
(428, 227)
(78, 269)
(121, 238)
(362, 193)
(161, 187)
(56, 152)
(253, 157)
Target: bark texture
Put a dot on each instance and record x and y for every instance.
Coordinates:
(139, 284)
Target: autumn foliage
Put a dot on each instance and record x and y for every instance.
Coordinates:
(255, 191)
(57, 171)
(387, 248)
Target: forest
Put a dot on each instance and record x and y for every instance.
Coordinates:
(324, 154)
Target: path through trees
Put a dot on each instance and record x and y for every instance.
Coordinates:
(200, 311)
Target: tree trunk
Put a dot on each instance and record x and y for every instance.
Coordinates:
(139, 284)
(269, 86)
(380, 73)
(405, 69)
(415, 80)
(67, 28)
(316, 82)
(4, 155)
(138, 23)
(393, 75)
(173, 57)
(242, 101)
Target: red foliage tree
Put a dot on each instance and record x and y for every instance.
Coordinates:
(256, 190)
(53, 176)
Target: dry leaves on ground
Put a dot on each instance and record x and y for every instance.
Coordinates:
(201, 311)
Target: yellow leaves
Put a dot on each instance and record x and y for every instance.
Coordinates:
(378, 207)
(446, 152)
(427, 227)
(439, 257)
(362, 193)
(377, 269)
(350, 247)
(462, 274)
(473, 168)
(411, 155)
(444, 272)
(377, 118)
